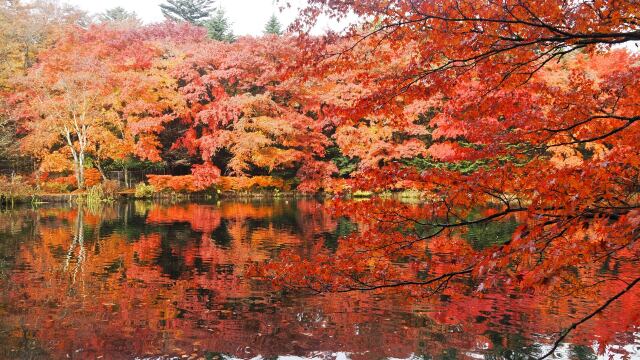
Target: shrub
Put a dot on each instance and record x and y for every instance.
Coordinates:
(184, 183)
(362, 194)
(111, 188)
(243, 183)
(56, 187)
(14, 188)
(95, 194)
(411, 194)
(106, 191)
(70, 181)
(92, 177)
(144, 191)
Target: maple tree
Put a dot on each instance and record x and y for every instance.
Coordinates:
(532, 96)
(26, 28)
(89, 92)
(243, 99)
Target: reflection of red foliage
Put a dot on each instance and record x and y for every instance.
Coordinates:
(119, 301)
(200, 217)
(399, 250)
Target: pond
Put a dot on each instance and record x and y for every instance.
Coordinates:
(164, 280)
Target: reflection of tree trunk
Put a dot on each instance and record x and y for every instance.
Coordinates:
(78, 241)
(98, 227)
(127, 207)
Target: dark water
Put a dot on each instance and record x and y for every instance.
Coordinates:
(151, 280)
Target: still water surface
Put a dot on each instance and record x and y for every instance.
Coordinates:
(154, 280)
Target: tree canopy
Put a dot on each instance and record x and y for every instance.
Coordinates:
(273, 26)
(118, 15)
(219, 27)
(192, 11)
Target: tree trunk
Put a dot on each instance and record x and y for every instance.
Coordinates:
(80, 167)
(25, 63)
(102, 174)
(126, 177)
(78, 159)
(76, 170)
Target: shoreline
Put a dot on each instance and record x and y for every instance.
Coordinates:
(207, 196)
(130, 195)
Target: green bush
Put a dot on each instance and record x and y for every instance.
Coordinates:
(95, 194)
(362, 194)
(144, 191)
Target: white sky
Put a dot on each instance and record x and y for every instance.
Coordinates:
(248, 17)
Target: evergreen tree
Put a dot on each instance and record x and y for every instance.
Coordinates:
(119, 15)
(219, 27)
(193, 11)
(273, 26)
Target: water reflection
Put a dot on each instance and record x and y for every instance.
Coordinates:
(145, 279)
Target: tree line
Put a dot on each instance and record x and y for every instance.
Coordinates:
(77, 132)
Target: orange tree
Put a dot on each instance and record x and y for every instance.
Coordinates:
(532, 95)
(88, 93)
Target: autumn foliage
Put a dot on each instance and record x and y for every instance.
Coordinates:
(521, 110)
(525, 116)
(173, 275)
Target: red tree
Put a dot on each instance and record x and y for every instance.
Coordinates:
(529, 112)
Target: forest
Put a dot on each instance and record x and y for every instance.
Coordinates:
(475, 112)
(384, 107)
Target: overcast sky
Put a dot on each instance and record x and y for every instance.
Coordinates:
(248, 16)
